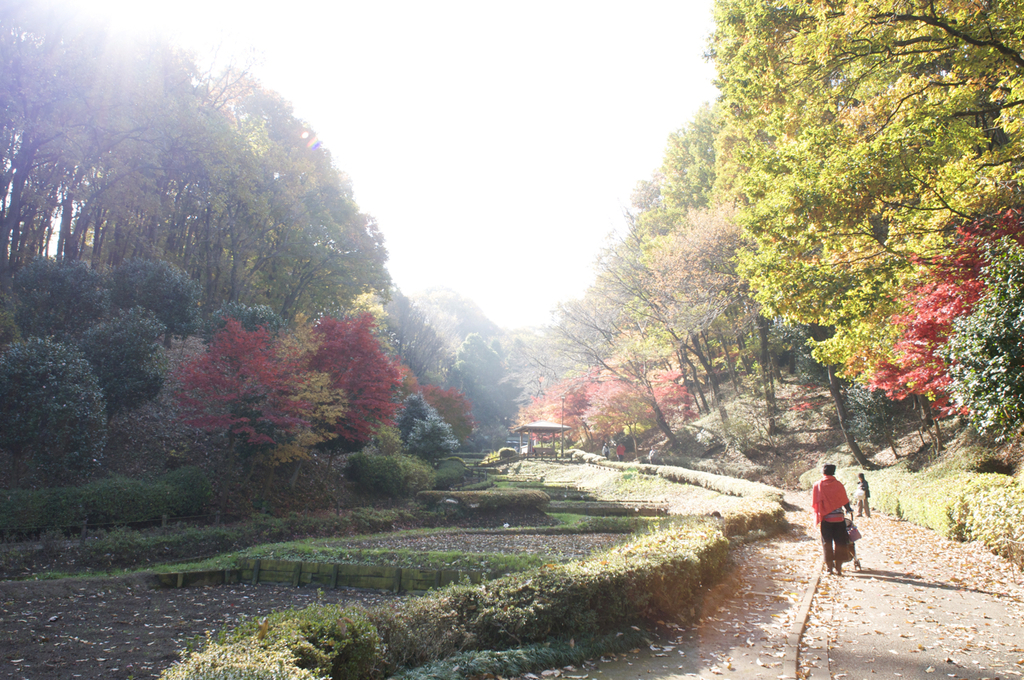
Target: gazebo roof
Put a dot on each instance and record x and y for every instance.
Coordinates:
(541, 427)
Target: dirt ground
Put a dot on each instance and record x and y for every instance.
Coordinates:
(123, 628)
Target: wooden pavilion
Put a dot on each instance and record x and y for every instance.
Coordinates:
(538, 427)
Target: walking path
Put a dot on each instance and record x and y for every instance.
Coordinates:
(922, 607)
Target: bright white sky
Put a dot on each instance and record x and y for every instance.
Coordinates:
(495, 143)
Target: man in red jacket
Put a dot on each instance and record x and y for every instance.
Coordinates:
(828, 500)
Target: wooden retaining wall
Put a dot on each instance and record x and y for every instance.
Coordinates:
(282, 572)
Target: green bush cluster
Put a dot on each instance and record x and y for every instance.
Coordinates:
(112, 500)
(661, 574)
(731, 486)
(964, 506)
(489, 500)
(760, 510)
(994, 515)
(327, 640)
(123, 548)
(247, 660)
(515, 662)
(394, 476)
(450, 472)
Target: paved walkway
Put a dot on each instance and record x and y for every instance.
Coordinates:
(923, 607)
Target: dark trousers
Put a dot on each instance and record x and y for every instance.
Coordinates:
(833, 535)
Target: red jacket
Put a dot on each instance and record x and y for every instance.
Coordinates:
(828, 495)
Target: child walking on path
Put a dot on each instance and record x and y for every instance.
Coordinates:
(862, 494)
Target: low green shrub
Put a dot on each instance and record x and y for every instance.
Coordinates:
(658, 575)
(449, 472)
(959, 505)
(248, 660)
(506, 452)
(750, 515)
(112, 500)
(732, 486)
(376, 520)
(489, 500)
(327, 640)
(395, 476)
(192, 491)
(514, 662)
(994, 515)
(120, 499)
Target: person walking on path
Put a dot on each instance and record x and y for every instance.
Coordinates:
(605, 451)
(828, 499)
(620, 452)
(862, 494)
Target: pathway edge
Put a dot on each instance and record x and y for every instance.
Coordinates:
(796, 633)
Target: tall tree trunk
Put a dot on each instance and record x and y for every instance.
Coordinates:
(684, 358)
(20, 168)
(840, 402)
(767, 376)
(226, 474)
(729, 363)
(662, 422)
(891, 442)
(67, 211)
(930, 422)
(820, 334)
(741, 347)
(705, 362)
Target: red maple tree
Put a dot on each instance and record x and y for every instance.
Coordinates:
(244, 388)
(952, 287)
(453, 406)
(351, 354)
(550, 406)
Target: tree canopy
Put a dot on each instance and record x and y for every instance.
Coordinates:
(114, 150)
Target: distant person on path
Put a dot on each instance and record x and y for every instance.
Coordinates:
(620, 452)
(862, 494)
(605, 451)
(652, 456)
(828, 499)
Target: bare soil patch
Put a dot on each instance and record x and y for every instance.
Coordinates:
(123, 628)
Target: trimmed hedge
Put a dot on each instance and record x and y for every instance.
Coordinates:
(659, 575)
(327, 640)
(731, 486)
(514, 662)
(489, 500)
(126, 548)
(113, 500)
(760, 510)
(247, 660)
(450, 471)
(394, 476)
(964, 506)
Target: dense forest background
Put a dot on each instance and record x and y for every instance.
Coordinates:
(846, 215)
